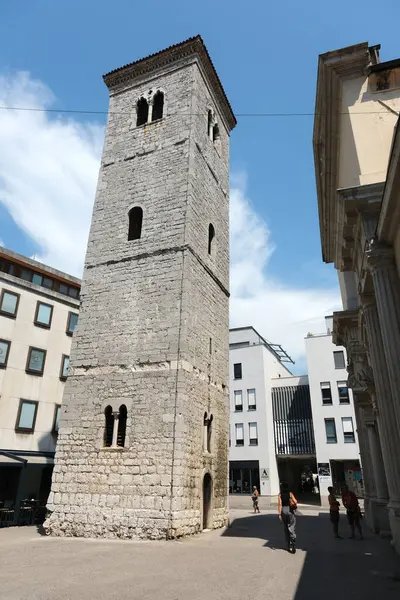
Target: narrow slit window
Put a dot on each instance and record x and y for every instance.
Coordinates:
(142, 111)
(209, 433)
(109, 426)
(216, 134)
(211, 236)
(158, 106)
(123, 414)
(209, 123)
(135, 223)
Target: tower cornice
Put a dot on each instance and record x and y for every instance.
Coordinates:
(191, 47)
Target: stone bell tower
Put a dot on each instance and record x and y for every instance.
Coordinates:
(143, 438)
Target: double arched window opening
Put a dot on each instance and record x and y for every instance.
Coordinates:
(148, 111)
(115, 427)
(207, 432)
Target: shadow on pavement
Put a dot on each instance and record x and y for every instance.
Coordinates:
(347, 569)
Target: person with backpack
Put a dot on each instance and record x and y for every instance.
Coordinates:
(287, 504)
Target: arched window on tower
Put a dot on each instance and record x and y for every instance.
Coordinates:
(209, 124)
(123, 413)
(158, 106)
(211, 236)
(108, 427)
(209, 433)
(142, 112)
(135, 223)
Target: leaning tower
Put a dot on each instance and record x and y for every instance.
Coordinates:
(143, 439)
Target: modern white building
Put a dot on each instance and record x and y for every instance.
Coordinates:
(334, 421)
(38, 312)
(263, 419)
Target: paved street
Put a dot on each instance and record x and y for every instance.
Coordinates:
(246, 561)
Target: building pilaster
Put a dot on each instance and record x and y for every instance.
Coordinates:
(387, 293)
(387, 419)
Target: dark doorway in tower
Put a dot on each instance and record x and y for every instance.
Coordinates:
(207, 501)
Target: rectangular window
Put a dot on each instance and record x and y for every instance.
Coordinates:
(239, 434)
(47, 283)
(4, 352)
(251, 399)
(57, 412)
(9, 304)
(43, 315)
(37, 279)
(338, 357)
(330, 429)
(238, 400)
(64, 367)
(343, 391)
(237, 371)
(326, 392)
(348, 430)
(26, 274)
(253, 435)
(73, 292)
(71, 323)
(36, 360)
(63, 289)
(26, 417)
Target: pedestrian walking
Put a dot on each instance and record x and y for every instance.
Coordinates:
(334, 512)
(350, 502)
(287, 504)
(255, 499)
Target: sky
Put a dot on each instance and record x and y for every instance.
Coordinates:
(53, 56)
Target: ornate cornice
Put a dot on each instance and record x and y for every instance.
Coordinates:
(333, 67)
(174, 54)
(379, 256)
(345, 327)
(389, 219)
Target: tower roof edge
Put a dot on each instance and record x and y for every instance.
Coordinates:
(191, 46)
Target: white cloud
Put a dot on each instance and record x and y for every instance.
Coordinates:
(281, 312)
(48, 174)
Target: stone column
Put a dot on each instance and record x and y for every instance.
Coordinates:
(115, 429)
(381, 516)
(370, 498)
(386, 404)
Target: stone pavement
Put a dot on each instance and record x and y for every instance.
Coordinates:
(245, 562)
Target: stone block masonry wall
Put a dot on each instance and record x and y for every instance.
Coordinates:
(153, 326)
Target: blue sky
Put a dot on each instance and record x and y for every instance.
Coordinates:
(266, 55)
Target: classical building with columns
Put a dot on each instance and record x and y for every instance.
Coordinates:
(357, 163)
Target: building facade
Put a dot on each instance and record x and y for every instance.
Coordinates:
(38, 312)
(271, 435)
(143, 442)
(336, 439)
(357, 164)
(252, 365)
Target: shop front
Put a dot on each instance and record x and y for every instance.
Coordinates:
(243, 475)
